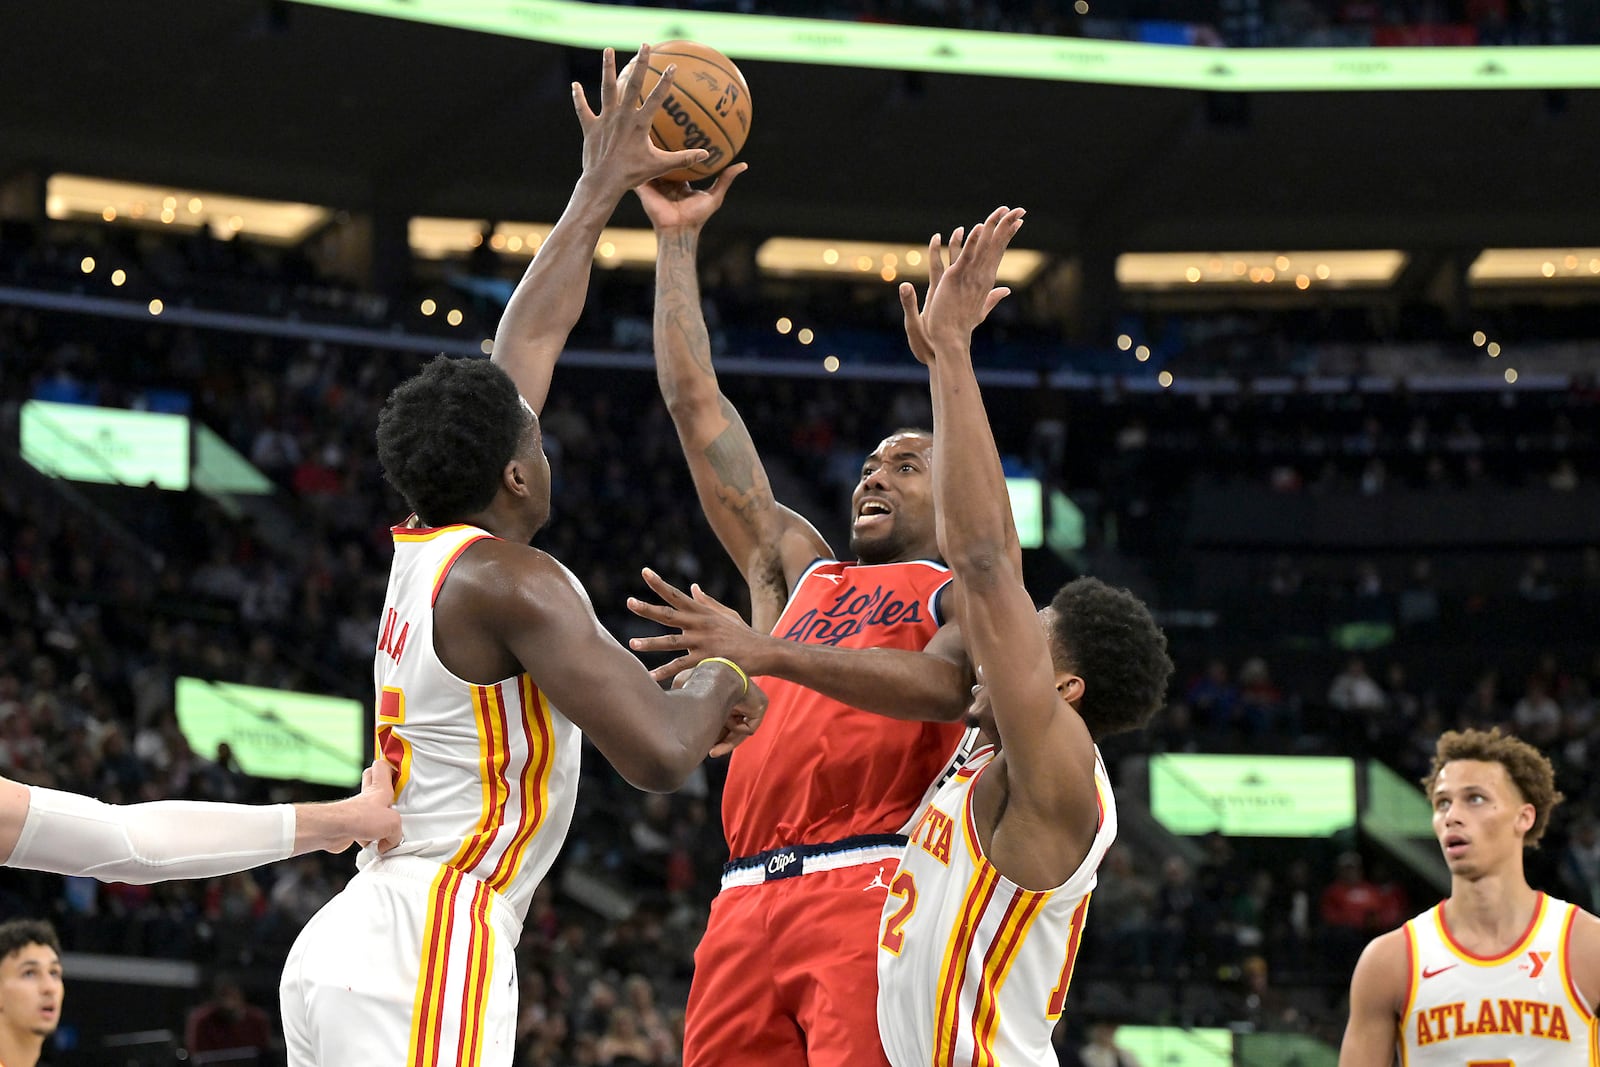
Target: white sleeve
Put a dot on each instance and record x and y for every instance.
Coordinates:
(66, 833)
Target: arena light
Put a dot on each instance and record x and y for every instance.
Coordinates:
(795, 257)
(77, 196)
(1007, 55)
(1165, 271)
(1535, 266)
(446, 238)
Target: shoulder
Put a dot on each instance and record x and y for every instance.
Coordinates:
(504, 574)
(1384, 969)
(1583, 951)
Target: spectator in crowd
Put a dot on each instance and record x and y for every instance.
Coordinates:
(1354, 691)
(227, 1028)
(1123, 930)
(1354, 903)
(1260, 1003)
(1537, 716)
(1580, 864)
(1102, 1049)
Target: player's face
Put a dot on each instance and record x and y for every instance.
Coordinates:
(891, 510)
(31, 991)
(1479, 817)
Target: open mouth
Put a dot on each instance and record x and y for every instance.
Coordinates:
(872, 513)
(1454, 845)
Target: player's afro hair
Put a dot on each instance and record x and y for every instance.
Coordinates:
(1528, 768)
(1108, 637)
(446, 435)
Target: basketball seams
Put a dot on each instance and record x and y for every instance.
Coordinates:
(712, 116)
(708, 61)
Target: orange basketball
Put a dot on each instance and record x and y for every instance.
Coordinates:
(708, 106)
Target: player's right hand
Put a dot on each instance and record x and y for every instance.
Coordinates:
(617, 148)
(680, 206)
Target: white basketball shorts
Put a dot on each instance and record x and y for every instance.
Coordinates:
(412, 965)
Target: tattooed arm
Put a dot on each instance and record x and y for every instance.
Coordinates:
(769, 543)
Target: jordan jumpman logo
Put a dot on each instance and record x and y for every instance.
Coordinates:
(877, 882)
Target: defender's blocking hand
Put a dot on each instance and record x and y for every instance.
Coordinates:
(617, 148)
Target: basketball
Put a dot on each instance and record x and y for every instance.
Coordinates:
(708, 107)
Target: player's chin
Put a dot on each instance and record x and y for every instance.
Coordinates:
(874, 548)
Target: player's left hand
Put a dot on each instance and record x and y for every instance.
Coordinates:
(617, 148)
(680, 206)
(962, 292)
(706, 627)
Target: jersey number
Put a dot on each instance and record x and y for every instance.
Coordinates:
(904, 885)
(1058, 995)
(394, 749)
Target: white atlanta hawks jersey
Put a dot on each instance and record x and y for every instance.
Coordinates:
(486, 775)
(972, 968)
(1517, 1008)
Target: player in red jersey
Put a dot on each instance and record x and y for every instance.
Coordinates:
(867, 690)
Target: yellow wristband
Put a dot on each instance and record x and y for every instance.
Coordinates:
(726, 662)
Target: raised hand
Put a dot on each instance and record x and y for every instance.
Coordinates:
(961, 293)
(679, 205)
(617, 148)
(706, 627)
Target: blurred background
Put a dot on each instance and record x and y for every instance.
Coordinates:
(1304, 351)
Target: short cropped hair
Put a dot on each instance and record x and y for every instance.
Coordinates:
(446, 434)
(1107, 636)
(18, 934)
(1525, 765)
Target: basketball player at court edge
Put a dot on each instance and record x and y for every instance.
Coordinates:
(986, 912)
(1497, 974)
(489, 661)
(856, 662)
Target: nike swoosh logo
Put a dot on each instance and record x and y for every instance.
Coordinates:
(1438, 970)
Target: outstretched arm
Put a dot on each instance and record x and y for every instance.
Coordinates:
(1049, 754)
(538, 610)
(926, 686)
(617, 155)
(769, 543)
(1377, 992)
(65, 833)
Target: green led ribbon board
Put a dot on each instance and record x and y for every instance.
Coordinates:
(1027, 510)
(106, 445)
(1008, 55)
(275, 733)
(1253, 796)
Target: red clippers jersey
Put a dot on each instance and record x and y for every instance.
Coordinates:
(818, 770)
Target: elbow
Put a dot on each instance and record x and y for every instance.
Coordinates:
(690, 402)
(663, 769)
(982, 564)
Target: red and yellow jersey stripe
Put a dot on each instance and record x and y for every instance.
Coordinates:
(979, 969)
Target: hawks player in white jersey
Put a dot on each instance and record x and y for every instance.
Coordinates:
(986, 910)
(489, 660)
(1498, 974)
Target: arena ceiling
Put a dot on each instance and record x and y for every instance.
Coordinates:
(303, 103)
